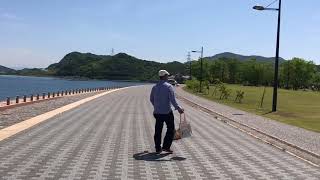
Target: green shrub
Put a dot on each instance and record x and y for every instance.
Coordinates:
(224, 92)
(193, 85)
(239, 96)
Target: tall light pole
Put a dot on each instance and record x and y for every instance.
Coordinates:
(201, 66)
(189, 60)
(276, 68)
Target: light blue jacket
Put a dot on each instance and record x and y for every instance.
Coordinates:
(162, 96)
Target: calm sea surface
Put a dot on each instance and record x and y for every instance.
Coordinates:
(11, 86)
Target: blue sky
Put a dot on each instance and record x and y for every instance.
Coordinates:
(36, 33)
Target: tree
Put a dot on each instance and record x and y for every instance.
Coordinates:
(219, 70)
(302, 73)
(256, 73)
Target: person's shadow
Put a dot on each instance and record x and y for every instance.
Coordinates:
(153, 156)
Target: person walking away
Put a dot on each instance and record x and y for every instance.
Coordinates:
(162, 96)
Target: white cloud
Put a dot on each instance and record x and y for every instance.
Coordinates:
(9, 16)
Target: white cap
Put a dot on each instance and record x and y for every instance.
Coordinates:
(163, 73)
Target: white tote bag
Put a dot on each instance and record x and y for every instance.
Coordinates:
(184, 130)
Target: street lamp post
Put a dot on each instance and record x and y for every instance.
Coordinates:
(190, 64)
(276, 68)
(201, 67)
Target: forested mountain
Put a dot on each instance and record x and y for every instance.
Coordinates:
(118, 67)
(5, 70)
(227, 67)
(239, 57)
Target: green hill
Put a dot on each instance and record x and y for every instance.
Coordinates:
(5, 70)
(239, 57)
(118, 67)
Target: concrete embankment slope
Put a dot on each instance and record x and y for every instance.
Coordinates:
(111, 137)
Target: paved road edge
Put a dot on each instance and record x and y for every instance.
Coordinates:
(26, 124)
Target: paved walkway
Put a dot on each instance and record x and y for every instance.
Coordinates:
(14, 115)
(111, 138)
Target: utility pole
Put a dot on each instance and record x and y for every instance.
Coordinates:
(276, 76)
(276, 65)
(201, 70)
(201, 67)
(189, 60)
(288, 74)
(112, 52)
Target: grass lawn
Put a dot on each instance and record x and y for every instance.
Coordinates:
(298, 108)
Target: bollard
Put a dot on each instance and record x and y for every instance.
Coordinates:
(58, 93)
(70, 92)
(61, 93)
(73, 91)
(8, 101)
(31, 97)
(43, 95)
(48, 95)
(24, 98)
(17, 99)
(53, 94)
(38, 97)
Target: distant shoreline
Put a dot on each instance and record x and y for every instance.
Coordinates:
(77, 78)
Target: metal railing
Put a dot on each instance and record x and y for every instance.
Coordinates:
(56, 94)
